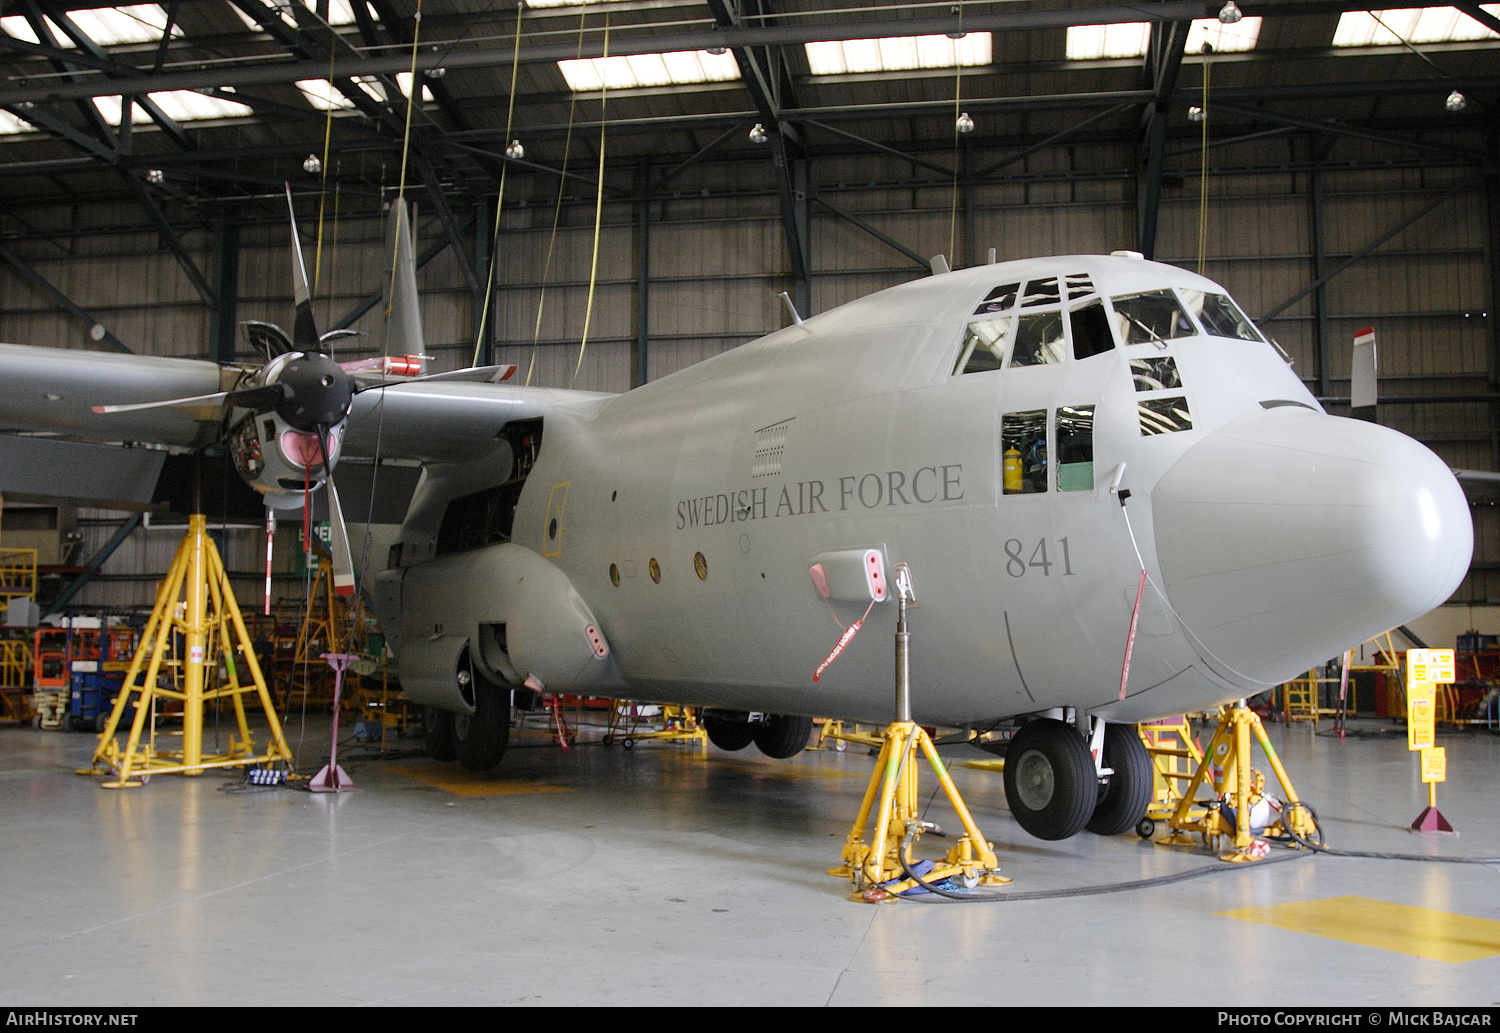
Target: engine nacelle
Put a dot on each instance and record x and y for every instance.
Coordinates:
(517, 620)
(280, 461)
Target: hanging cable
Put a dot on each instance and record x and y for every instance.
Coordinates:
(958, 92)
(510, 112)
(411, 102)
(323, 176)
(1203, 169)
(541, 304)
(588, 308)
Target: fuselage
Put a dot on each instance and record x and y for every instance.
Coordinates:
(983, 427)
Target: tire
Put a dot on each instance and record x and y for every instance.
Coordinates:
(727, 734)
(480, 738)
(100, 720)
(1050, 781)
(783, 736)
(1124, 797)
(437, 734)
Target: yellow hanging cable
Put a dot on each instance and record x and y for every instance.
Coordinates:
(411, 102)
(323, 173)
(510, 111)
(588, 308)
(562, 182)
(1203, 175)
(958, 91)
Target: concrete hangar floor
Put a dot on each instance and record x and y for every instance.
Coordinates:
(661, 876)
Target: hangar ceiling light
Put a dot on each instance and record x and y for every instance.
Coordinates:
(895, 53)
(1130, 39)
(1409, 25)
(627, 72)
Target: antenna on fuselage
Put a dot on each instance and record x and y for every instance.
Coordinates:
(939, 265)
(786, 299)
(992, 256)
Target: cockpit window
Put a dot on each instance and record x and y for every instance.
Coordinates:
(1091, 334)
(1164, 415)
(1041, 292)
(1151, 316)
(999, 299)
(984, 345)
(1075, 448)
(1079, 286)
(1219, 315)
(1039, 340)
(1155, 374)
(1023, 440)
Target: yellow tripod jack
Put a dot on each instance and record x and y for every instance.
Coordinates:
(196, 602)
(1240, 791)
(882, 869)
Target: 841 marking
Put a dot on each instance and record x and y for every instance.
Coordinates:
(1040, 559)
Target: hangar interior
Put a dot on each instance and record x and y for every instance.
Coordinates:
(609, 193)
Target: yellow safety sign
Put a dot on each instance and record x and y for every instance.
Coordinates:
(1434, 764)
(1421, 706)
(1433, 666)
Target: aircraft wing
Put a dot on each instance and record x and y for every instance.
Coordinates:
(442, 420)
(54, 389)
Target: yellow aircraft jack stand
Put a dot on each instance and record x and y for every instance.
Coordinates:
(1240, 802)
(196, 601)
(882, 869)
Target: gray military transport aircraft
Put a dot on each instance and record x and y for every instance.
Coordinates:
(1025, 436)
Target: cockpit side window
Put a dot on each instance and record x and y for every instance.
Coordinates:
(1220, 316)
(1039, 340)
(1151, 316)
(1090, 326)
(984, 347)
(1023, 440)
(1075, 448)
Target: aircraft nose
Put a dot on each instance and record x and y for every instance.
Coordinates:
(1289, 536)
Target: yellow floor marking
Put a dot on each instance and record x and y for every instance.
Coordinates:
(465, 783)
(1419, 931)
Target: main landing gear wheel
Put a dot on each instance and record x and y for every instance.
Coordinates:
(1050, 782)
(783, 736)
(727, 734)
(1125, 795)
(437, 734)
(480, 738)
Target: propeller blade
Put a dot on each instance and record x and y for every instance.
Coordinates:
(195, 400)
(343, 561)
(1362, 376)
(305, 328)
(267, 338)
(261, 399)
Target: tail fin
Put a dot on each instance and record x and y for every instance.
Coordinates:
(403, 316)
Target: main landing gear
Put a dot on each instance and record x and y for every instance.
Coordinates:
(1055, 790)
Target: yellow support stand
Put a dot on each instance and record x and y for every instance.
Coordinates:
(876, 868)
(679, 724)
(880, 869)
(196, 601)
(1226, 770)
(1175, 758)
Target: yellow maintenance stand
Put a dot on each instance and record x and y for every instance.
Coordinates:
(881, 869)
(1236, 787)
(196, 602)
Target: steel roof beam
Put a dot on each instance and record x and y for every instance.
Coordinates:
(46, 286)
(1342, 129)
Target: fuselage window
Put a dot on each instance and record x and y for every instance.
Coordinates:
(1152, 316)
(1039, 340)
(1041, 292)
(1091, 334)
(1155, 374)
(999, 299)
(1164, 415)
(1220, 316)
(984, 345)
(1075, 448)
(1023, 440)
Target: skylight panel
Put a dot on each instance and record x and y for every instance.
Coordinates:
(1093, 42)
(340, 12)
(1409, 25)
(321, 94)
(137, 23)
(897, 53)
(1225, 39)
(566, 3)
(10, 125)
(18, 27)
(623, 73)
(178, 105)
